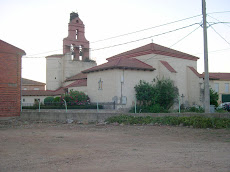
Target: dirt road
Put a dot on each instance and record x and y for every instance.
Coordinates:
(72, 147)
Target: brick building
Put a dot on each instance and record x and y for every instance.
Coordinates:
(28, 84)
(10, 79)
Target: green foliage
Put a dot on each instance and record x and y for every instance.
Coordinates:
(48, 100)
(63, 107)
(166, 92)
(145, 92)
(75, 98)
(57, 99)
(213, 97)
(195, 109)
(195, 121)
(156, 98)
(156, 108)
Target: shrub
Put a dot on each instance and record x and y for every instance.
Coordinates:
(63, 107)
(156, 98)
(75, 98)
(213, 97)
(195, 121)
(57, 99)
(48, 100)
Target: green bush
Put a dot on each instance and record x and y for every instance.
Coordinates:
(157, 97)
(195, 109)
(195, 121)
(75, 98)
(214, 97)
(156, 108)
(63, 107)
(57, 99)
(48, 100)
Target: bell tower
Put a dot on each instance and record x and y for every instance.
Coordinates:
(76, 42)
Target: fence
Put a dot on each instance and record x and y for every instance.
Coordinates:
(69, 105)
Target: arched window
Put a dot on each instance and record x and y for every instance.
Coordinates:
(76, 34)
(80, 52)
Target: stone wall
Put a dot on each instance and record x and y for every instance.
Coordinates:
(101, 116)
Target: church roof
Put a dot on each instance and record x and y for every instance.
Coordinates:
(78, 83)
(121, 63)
(153, 48)
(168, 66)
(77, 77)
(31, 82)
(55, 56)
(195, 71)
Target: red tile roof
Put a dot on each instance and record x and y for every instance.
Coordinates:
(220, 76)
(31, 82)
(154, 49)
(168, 66)
(10, 49)
(195, 71)
(78, 83)
(121, 63)
(77, 77)
(43, 92)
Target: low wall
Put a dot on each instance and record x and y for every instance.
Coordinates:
(100, 117)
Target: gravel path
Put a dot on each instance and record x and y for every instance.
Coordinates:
(26, 146)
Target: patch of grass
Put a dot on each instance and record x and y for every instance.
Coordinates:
(195, 121)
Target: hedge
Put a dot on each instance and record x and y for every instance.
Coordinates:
(195, 121)
(63, 107)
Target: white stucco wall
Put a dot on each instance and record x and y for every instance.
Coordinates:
(58, 69)
(83, 89)
(112, 86)
(180, 65)
(221, 87)
(73, 67)
(29, 100)
(194, 88)
(53, 73)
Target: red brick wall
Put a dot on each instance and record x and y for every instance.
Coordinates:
(10, 84)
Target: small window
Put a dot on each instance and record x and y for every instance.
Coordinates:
(216, 85)
(77, 21)
(227, 88)
(100, 82)
(36, 101)
(36, 88)
(76, 34)
(24, 88)
(23, 100)
(80, 52)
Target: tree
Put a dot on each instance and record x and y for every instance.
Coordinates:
(213, 97)
(166, 93)
(153, 96)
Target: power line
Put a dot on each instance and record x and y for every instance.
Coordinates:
(176, 42)
(138, 31)
(219, 21)
(220, 35)
(147, 29)
(226, 49)
(218, 12)
(146, 37)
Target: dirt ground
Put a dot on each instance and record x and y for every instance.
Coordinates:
(73, 147)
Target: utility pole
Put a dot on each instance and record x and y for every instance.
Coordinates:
(206, 77)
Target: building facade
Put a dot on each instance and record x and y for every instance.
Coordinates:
(10, 79)
(28, 84)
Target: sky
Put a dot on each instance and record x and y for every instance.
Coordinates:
(38, 27)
